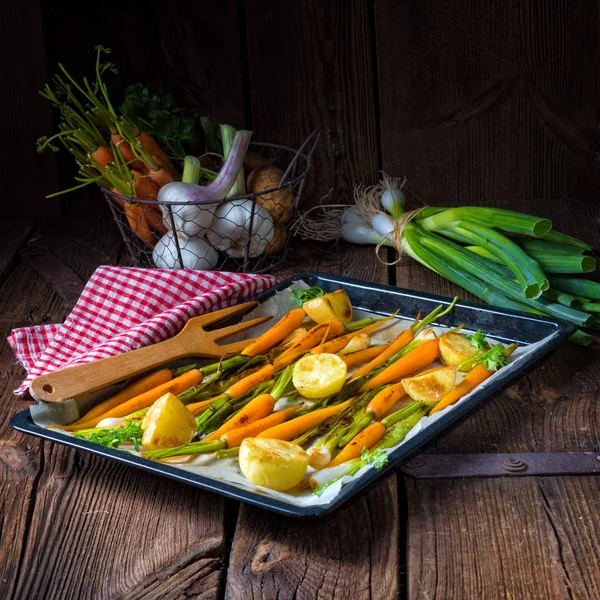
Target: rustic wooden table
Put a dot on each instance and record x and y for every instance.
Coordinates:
(76, 526)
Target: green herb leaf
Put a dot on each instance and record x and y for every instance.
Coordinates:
(378, 458)
(115, 436)
(302, 296)
(478, 340)
(494, 358)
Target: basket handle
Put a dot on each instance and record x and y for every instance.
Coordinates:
(314, 137)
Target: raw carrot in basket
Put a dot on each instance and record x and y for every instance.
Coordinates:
(153, 149)
(339, 343)
(103, 156)
(175, 386)
(365, 439)
(361, 356)
(424, 354)
(128, 155)
(292, 429)
(136, 217)
(275, 334)
(161, 176)
(145, 189)
(144, 384)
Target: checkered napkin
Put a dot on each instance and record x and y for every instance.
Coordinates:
(121, 309)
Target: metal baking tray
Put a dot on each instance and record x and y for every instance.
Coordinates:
(503, 325)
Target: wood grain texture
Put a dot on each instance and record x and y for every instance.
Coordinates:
(310, 67)
(25, 115)
(490, 100)
(16, 232)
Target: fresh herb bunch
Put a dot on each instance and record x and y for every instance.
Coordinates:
(302, 296)
(178, 131)
(115, 436)
(494, 358)
(478, 340)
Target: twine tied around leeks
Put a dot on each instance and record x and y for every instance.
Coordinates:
(327, 226)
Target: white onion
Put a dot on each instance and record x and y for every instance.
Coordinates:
(230, 231)
(196, 253)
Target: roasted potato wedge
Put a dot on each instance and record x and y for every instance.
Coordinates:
(455, 349)
(335, 305)
(319, 375)
(431, 386)
(273, 464)
(167, 424)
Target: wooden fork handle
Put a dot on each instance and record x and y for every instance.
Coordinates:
(84, 379)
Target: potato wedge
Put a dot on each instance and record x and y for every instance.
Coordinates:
(432, 386)
(167, 424)
(274, 464)
(319, 375)
(455, 349)
(335, 305)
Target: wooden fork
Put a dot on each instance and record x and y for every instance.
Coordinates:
(193, 340)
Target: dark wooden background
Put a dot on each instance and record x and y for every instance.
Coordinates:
(471, 99)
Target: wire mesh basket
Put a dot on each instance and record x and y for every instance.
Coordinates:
(246, 233)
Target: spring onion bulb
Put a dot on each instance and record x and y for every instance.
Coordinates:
(393, 201)
(359, 233)
(382, 225)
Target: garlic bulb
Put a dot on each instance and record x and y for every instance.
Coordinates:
(230, 231)
(196, 253)
(190, 219)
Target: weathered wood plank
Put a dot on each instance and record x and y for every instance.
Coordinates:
(25, 115)
(476, 101)
(311, 67)
(352, 553)
(16, 232)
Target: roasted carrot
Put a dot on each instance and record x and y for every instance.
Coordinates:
(361, 356)
(385, 400)
(136, 217)
(402, 340)
(339, 343)
(365, 439)
(175, 386)
(196, 406)
(235, 437)
(258, 408)
(275, 334)
(313, 337)
(292, 429)
(478, 374)
(144, 384)
(243, 386)
(424, 354)
(103, 156)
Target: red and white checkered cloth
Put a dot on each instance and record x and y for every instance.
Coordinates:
(121, 309)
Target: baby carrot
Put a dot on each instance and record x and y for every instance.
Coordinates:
(138, 387)
(175, 386)
(416, 359)
(136, 217)
(402, 340)
(365, 439)
(292, 429)
(235, 437)
(385, 400)
(361, 356)
(243, 386)
(290, 321)
(258, 408)
(103, 156)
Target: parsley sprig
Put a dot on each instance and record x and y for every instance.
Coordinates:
(302, 296)
(478, 340)
(115, 436)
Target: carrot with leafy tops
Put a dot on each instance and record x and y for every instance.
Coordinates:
(174, 386)
(128, 155)
(477, 375)
(142, 385)
(361, 356)
(339, 343)
(103, 156)
(418, 358)
(365, 439)
(292, 429)
(136, 217)
(275, 334)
